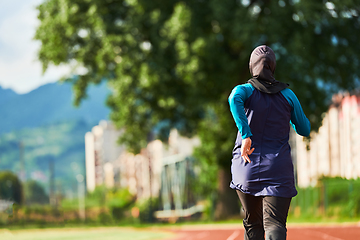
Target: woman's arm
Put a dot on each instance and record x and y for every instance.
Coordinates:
(236, 101)
(299, 121)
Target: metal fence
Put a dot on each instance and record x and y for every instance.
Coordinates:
(332, 197)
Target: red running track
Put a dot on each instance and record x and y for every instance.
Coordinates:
(232, 232)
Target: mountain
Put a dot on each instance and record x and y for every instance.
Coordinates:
(32, 151)
(6, 94)
(48, 104)
(43, 127)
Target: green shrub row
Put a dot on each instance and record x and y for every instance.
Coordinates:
(336, 198)
(103, 206)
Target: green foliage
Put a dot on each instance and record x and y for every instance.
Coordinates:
(97, 198)
(105, 218)
(353, 206)
(98, 195)
(344, 193)
(217, 133)
(44, 210)
(10, 187)
(147, 207)
(119, 201)
(112, 202)
(336, 198)
(35, 193)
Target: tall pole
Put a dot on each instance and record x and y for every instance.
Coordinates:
(52, 182)
(22, 173)
(81, 195)
(150, 187)
(149, 151)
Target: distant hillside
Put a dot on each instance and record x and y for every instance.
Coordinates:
(44, 127)
(48, 104)
(62, 144)
(6, 95)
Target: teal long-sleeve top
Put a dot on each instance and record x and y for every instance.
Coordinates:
(241, 93)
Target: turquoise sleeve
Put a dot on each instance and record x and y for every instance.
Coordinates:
(299, 121)
(236, 101)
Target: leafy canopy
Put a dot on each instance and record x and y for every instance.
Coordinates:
(173, 63)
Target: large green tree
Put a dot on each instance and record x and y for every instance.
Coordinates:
(10, 187)
(173, 63)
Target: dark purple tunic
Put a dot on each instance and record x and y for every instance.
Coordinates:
(270, 172)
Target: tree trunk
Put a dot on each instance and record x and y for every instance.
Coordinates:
(228, 205)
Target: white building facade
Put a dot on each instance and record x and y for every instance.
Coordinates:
(109, 164)
(141, 173)
(335, 150)
(101, 154)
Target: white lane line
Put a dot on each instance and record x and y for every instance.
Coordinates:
(234, 235)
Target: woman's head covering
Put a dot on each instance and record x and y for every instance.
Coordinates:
(262, 68)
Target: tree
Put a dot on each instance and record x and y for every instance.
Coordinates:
(10, 187)
(35, 193)
(173, 63)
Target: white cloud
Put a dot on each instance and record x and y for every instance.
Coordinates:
(19, 68)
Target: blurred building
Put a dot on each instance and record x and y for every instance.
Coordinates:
(141, 173)
(335, 150)
(101, 154)
(109, 164)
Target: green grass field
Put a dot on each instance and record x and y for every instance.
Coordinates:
(101, 233)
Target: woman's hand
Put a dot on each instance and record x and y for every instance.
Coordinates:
(245, 149)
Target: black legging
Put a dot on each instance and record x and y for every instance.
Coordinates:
(264, 214)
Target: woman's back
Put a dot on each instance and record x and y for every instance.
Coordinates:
(271, 165)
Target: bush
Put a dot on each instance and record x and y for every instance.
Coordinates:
(354, 204)
(119, 201)
(147, 208)
(105, 218)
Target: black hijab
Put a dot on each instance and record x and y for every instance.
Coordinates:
(262, 67)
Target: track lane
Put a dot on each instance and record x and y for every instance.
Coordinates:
(232, 232)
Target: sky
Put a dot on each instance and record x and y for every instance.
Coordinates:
(19, 68)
